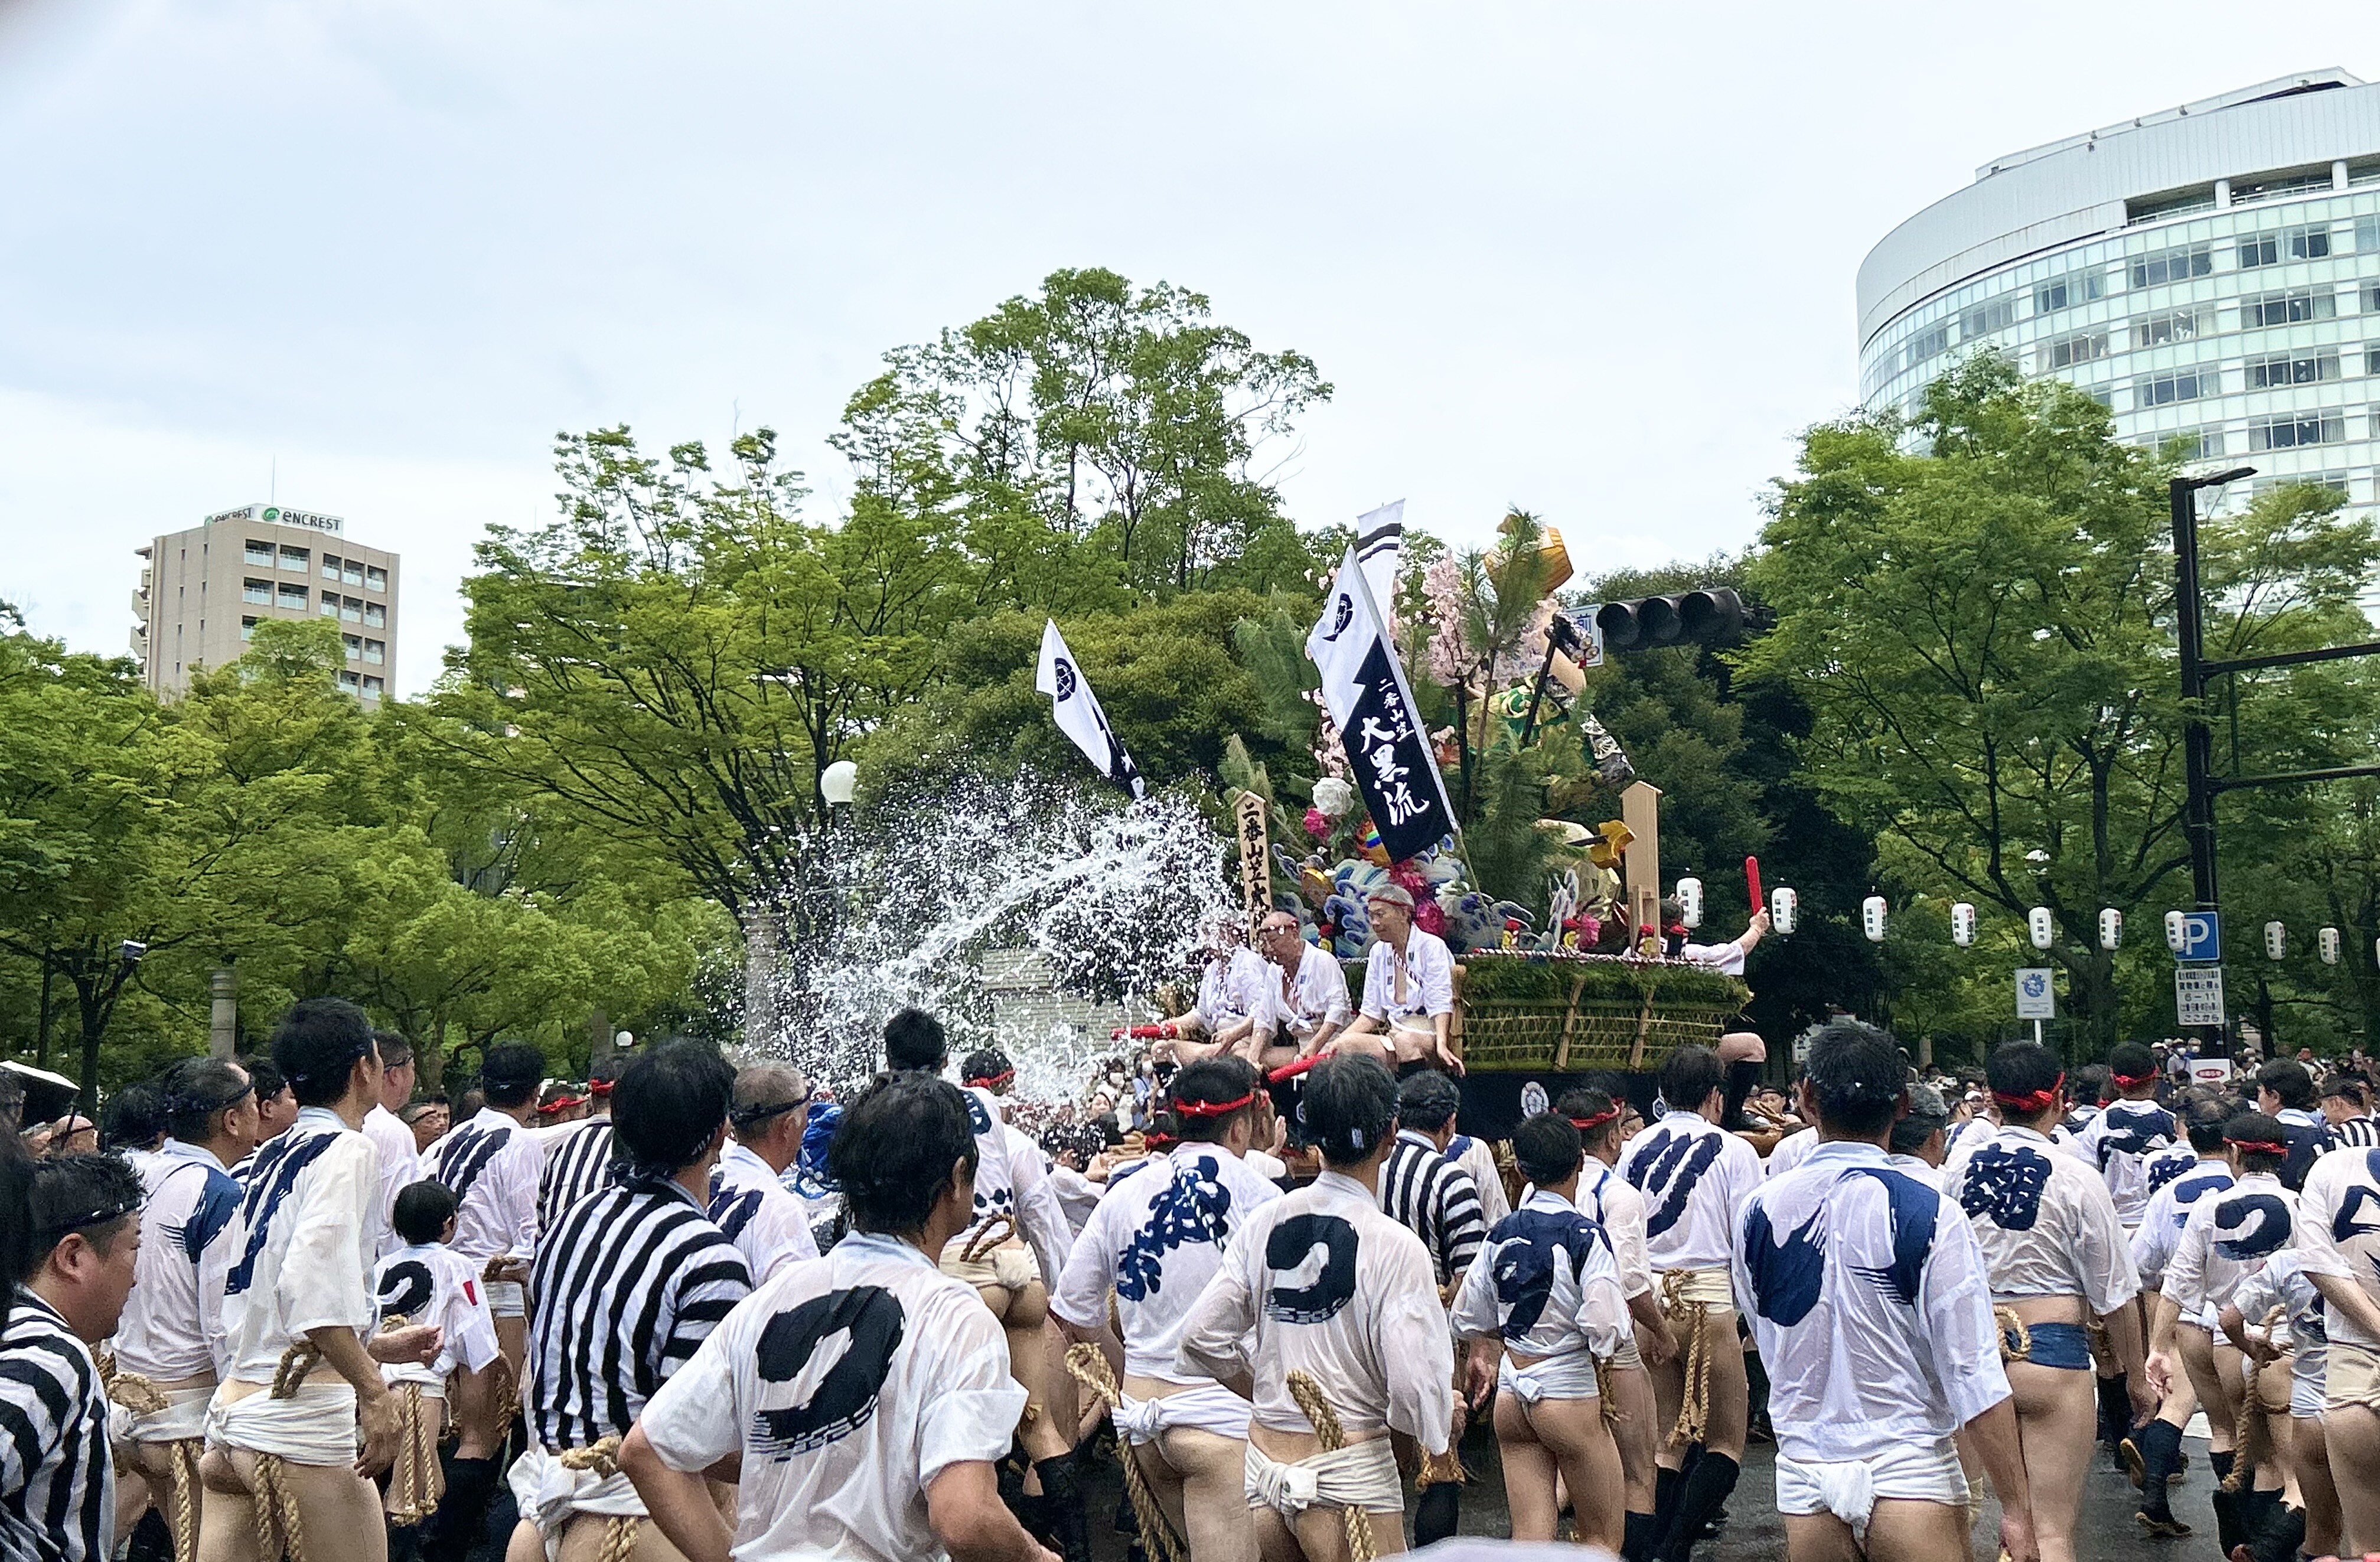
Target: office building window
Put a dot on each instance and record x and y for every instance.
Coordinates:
(375, 652)
(256, 591)
(355, 574)
(296, 559)
(373, 687)
(2074, 287)
(330, 605)
(259, 553)
(2162, 390)
(2295, 429)
(351, 681)
(2195, 444)
(2285, 368)
(355, 647)
(293, 597)
(2173, 265)
(330, 566)
(1926, 344)
(2369, 297)
(375, 616)
(2174, 325)
(351, 610)
(248, 629)
(2367, 234)
(2288, 308)
(2067, 351)
(375, 578)
(1985, 318)
(2289, 243)
(2260, 249)
(2371, 361)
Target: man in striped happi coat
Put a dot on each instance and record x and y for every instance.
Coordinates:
(628, 1286)
(579, 1155)
(1424, 1190)
(71, 1231)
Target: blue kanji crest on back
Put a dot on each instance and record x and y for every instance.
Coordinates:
(2004, 1185)
(1194, 1207)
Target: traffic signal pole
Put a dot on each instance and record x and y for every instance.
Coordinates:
(2197, 736)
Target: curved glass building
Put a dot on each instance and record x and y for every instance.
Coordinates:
(2210, 273)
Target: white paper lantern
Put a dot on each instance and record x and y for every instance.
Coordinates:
(1784, 909)
(1962, 924)
(2111, 929)
(2041, 926)
(1872, 916)
(1690, 901)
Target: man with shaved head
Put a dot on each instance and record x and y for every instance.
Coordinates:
(748, 1201)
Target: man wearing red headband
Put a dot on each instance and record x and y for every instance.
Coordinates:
(579, 1155)
(2057, 1258)
(1608, 1199)
(2120, 1141)
(2227, 1238)
(1153, 1243)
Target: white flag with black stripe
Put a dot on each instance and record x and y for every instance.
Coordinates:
(1379, 547)
(1388, 753)
(1078, 713)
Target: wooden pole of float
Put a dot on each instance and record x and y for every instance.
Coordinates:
(1640, 810)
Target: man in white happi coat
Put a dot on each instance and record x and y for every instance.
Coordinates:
(2338, 1248)
(1694, 1176)
(1152, 1244)
(1872, 1306)
(398, 1153)
(2153, 1453)
(169, 1343)
(2226, 1239)
(860, 1400)
(1306, 991)
(1232, 1005)
(300, 1389)
(749, 1201)
(1407, 1016)
(1013, 1254)
(1544, 1314)
(1322, 1295)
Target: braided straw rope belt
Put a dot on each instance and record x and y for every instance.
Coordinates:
(1693, 1406)
(141, 1397)
(2254, 1442)
(1091, 1370)
(602, 1458)
(279, 1531)
(1308, 1395)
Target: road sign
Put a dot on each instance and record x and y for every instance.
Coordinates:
(2035, 1000)
(2198, 993)
(2201, 937)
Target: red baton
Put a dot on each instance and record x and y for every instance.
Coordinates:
(1752, 879)
(1290, 1070)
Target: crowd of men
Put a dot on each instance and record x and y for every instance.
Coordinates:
(689, 1310)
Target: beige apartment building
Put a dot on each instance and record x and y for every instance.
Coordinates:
(203, 591)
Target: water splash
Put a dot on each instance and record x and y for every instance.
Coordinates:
(1111, 896)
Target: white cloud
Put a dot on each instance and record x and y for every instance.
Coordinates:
(1594, 260)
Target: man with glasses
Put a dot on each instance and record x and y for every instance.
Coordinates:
(748, 1200)
(1306, 994)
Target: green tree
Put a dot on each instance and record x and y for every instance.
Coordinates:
(1975, 609)
(1087, 444)
(672, 664)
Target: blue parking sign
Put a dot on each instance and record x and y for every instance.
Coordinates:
(2202, 936)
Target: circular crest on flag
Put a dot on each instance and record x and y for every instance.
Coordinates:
(1066, 671)
(1342, 618)
(1532, 1099)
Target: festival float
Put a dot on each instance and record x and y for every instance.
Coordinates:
(1486, 790)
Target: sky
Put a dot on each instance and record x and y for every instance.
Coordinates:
(369, 259)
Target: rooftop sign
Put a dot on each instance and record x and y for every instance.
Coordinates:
(276, 515)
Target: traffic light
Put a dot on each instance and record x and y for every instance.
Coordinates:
(1714, 615)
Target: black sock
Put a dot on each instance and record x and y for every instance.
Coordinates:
(1636, 1543)
(1665, 1498)
(2280, 1533)
(449, 1534)
(404, 1542)
(2160, 1446)
(2114, 1410)
(2229, 1529)
(1699, 1500)
(1062, 1499)
(152, 1538)
(1438, 1512)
